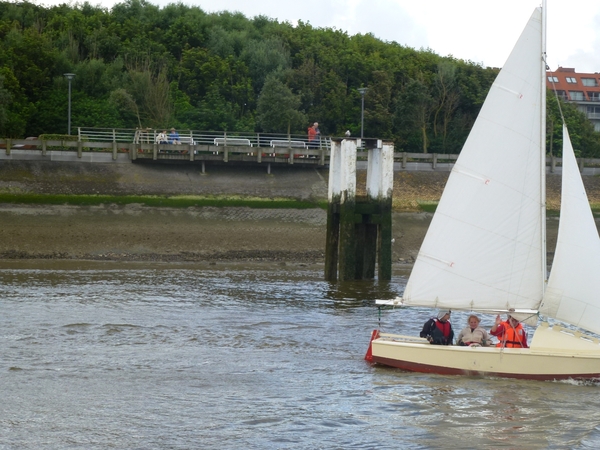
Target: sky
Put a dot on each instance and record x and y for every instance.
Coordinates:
(481, 31)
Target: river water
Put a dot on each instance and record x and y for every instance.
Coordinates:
(175, 356)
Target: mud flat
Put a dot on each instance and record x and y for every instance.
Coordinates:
(136, 232)
(139, 233)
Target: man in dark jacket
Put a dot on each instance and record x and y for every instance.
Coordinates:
(438, 330)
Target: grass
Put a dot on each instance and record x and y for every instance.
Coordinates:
(595, 209)
(163, 201)
(427, 206)
(186, 201)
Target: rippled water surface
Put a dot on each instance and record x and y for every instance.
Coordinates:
(98, 356)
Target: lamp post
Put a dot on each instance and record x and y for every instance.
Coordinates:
(69, 76)
(362, 110)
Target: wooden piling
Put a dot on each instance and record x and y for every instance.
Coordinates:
(359, 230)
(347, 244)
(380, 186)
(369, 252)
(332, 240)
(340, 245)
(384, 242)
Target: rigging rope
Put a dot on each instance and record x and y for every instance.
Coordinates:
(554, 89)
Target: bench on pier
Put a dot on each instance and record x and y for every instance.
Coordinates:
(288, 144)
(187, 140)
(164, 147)
(233, 141)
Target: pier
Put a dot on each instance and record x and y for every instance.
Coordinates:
(94, 145)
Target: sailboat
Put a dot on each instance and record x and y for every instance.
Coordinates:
(485, 250)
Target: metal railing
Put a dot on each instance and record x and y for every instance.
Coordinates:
(196, 137)
(106, 134)
(103, 151)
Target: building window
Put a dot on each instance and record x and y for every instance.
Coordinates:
(553, 79)
(571, 80)
(576, 95)
(594, 96)
(589, 82)
(562, 95)
(593, 112)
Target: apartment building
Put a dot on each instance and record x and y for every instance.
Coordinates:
(580, 88)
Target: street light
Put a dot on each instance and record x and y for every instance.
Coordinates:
(362, 110)
(69, 76)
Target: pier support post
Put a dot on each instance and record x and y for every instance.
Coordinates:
(380, 186)
(359, 230)
(340, 244)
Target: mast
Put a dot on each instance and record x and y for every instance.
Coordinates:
(543, 147)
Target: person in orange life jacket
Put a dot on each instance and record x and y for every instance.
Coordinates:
(438, 330)
(510, 333)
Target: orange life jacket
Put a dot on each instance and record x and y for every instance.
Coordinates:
(512, 337)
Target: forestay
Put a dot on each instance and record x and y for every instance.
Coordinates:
(573, 293)
(485, 248)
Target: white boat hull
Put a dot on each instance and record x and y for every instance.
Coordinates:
(555, 354)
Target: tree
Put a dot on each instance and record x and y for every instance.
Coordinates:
(586, 142)
(378, 97)
(5, 98)
(15, 110)
(150, 90)
(446, 99)
(413, 111)
(277, 109)
(182, 66)
(264, 57)
(128, 109)
(214, 112)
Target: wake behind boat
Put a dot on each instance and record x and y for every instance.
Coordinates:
(485, 249)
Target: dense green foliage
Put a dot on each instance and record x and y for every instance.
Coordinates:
(138, 65)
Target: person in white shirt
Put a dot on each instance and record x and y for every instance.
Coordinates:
(161, 138)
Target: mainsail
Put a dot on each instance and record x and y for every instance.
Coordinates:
(485, 247)
(573, 292)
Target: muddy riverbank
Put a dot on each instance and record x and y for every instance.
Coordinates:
(136, 232)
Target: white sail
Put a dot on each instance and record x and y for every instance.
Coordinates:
(573, 292)
(485, 246)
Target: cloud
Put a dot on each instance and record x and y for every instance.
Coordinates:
(386, 19)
